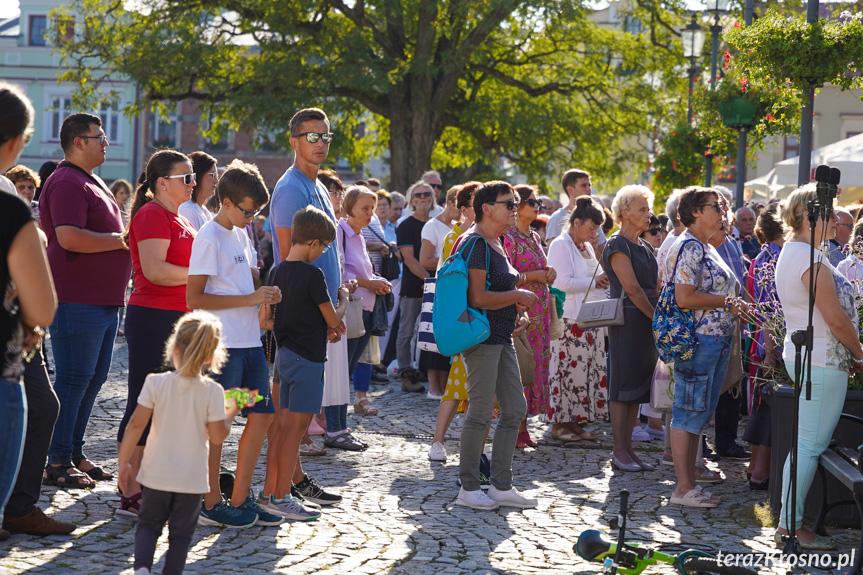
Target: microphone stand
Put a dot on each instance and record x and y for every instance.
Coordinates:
(822, 207)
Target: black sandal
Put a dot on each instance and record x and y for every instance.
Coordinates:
(95, 472)
(70, 475)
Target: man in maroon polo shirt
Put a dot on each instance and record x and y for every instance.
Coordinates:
(91, 268)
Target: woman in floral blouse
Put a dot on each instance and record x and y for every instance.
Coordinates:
(702, 283)
(524, 250)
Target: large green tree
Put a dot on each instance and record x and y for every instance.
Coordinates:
(434, 81)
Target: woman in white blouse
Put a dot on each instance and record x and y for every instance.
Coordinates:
(578, 383)
(206, 178)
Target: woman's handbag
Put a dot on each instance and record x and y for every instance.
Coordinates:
(662, 388)
(526, 359)
(390, 262)
(354, 318)
(674, 327)
(425, 335)
(555, 325)
(600, 313)
(380, 325)
(372, 354)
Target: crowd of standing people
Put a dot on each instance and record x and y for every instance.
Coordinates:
(341, 306)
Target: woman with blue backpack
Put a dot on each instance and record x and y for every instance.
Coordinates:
(492, 368)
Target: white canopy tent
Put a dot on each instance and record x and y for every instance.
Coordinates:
(847, 155)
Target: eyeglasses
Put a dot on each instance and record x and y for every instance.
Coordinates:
(510, 204)
(102, 139)
(28, 135)
(327, 246)
(313, 137)
(849, 226)
(188, 179)
(422, 194)
(533, 203)
(247, 213)
(716, 206)
(654, 231)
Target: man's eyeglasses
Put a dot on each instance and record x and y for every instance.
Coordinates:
(533, 203)
(102, 139)
(654, 231)
(716, 206)
(422, 194)
(849, 226)
(437, 186)
(313, 137)
(188, 179)
(510, 204)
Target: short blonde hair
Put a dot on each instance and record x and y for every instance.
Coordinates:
(794, 208)
(353, 195)
(626, 195)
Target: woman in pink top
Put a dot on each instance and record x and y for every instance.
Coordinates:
(359, 205)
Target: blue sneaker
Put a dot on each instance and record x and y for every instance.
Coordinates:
(265, 518)
(226, 515)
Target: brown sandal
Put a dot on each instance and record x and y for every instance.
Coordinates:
(363, 406)
(580, 432)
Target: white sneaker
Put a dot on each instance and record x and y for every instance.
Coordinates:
(510, 498)
(142, 571)
(437, 452)
(475, 500)
(638, 434)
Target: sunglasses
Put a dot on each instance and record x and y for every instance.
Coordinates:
(716, 206)
(247, 213)
(437, 186)
(654, 231)
(188, 179)
(313, 137)
(510, 204)
(422, 194)
(534, 203)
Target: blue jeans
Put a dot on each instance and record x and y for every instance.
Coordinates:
(82, 338)
(817, 421)
(698, 381)
(13, 426)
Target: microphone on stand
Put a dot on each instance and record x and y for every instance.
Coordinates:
(822, 189)
(835, 177)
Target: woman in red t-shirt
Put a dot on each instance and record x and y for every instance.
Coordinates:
(160, 241)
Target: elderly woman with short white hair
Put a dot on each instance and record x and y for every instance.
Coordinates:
(632, 272)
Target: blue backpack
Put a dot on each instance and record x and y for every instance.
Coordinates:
(457, 326)
(673, 326)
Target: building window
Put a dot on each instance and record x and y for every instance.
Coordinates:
(111, 123)
(792, 147)
(65, 31)
(36, 33)
(61, 107)
(163, 130)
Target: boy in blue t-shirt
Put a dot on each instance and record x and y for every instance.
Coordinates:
(301, 333)
(221, 280)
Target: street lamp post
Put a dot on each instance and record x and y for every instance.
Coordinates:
(693, 37)
(717, 8)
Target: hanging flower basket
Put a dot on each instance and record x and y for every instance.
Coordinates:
(738, 113)
(807, 55)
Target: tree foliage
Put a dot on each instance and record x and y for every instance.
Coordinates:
(449, 82)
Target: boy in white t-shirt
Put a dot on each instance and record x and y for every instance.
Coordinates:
(221, 279)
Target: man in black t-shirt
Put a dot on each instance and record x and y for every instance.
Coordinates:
(409, 239)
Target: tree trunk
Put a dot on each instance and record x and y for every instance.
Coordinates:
(413, 131)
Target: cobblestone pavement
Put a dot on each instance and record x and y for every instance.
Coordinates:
(398, 515)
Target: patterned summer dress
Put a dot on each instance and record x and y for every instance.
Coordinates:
(525, 254)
